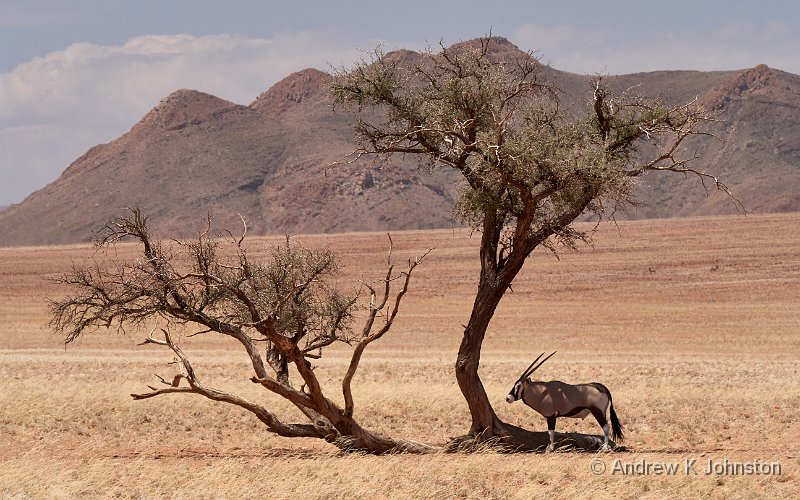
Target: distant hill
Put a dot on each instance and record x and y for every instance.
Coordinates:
(267, 161)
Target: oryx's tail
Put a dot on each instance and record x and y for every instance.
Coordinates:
(616, 427)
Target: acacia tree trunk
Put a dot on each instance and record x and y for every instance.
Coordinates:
(484, 419)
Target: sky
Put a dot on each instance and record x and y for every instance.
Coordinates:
(74, 74)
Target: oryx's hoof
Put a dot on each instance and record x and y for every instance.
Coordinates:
(606, 448)
(550, 448)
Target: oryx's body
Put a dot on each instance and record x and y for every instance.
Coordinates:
(556, 399)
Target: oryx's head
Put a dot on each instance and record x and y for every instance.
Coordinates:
(516, 391)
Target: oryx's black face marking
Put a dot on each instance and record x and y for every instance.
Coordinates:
(515, 394)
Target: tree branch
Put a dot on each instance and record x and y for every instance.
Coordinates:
(367, 336)
(273, 423)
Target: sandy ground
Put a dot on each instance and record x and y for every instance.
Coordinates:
(693, 324)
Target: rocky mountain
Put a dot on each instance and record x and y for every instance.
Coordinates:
(270, 162)
(266, 161)
(756, 151)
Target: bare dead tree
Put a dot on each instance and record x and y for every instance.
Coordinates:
(283, 313)
(530, 167)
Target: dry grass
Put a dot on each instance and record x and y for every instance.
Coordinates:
(701, 355)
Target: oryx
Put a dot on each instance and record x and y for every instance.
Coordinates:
(556, 399)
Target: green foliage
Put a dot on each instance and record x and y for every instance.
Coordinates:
(293, 288)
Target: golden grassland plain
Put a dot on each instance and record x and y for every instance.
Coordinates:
(693, 324)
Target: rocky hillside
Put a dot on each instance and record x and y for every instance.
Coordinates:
(268, 161)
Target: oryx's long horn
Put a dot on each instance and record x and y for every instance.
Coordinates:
(527, 370)
(540, 364)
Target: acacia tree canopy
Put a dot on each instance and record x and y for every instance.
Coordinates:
(530, 167)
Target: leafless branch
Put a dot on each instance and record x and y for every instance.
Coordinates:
(367, 336)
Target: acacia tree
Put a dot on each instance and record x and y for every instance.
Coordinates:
(530, 167)
(283, 313)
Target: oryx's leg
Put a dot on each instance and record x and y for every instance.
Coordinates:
(551, 430)
(600, 416)
(605, 438)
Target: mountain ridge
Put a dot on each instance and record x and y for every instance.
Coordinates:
(270, 161)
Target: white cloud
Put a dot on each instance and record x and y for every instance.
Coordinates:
(53, 108)
(619, 51)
